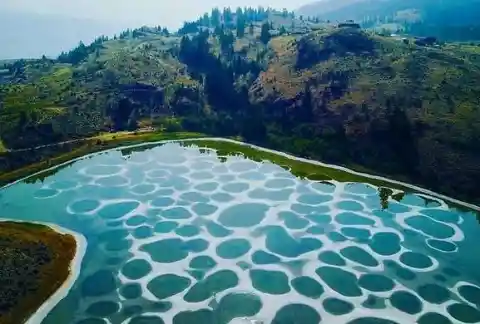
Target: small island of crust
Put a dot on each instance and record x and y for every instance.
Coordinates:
(34, 263)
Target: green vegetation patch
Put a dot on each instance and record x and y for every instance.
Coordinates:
(298, 168)
(34, 263)
(2, 147)
(87, 146)
(308, 170)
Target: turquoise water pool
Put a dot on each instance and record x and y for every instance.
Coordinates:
(180, 235)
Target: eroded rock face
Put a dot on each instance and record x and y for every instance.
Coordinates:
(315, 87)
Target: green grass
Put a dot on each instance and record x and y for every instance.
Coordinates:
(126, 138)
(3, 149)
(313, 171)
(92, 145)
(112, 140)
(120, 139)
(298, 168)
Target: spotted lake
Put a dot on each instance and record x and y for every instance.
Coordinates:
(181, 235)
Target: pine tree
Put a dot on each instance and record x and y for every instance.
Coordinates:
(305, 113)
(132, 123)
(205, 20)
(265, 34)
(239, 13)
(215, 17)
(251, 29)
(226, 42)
(240, 27)
(227, 16)
(219, 31)
(261, 14)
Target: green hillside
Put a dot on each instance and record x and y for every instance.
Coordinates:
(339, 94)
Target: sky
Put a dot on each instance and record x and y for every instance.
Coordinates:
(48, 27)
(170, 13)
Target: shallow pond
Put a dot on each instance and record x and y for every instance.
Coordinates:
(179, 235)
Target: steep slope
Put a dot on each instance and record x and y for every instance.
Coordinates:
(341, 95)
(379, 103)
(48, 101)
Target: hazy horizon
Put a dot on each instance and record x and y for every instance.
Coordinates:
(140, 12)
(52, 26)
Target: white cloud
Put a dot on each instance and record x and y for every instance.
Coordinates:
(169, 13)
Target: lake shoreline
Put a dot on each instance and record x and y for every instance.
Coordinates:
(380, 179)
(85, 147)
(60, 292)
(75, 266)
(298, 210)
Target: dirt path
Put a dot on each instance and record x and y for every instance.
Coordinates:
(104, 136)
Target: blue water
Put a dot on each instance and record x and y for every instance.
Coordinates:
(180, 235)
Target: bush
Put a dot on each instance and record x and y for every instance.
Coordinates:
(168, 124)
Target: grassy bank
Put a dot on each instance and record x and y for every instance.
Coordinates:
(34, 263)
(2, 147)
(312, 171)
(92, 145)
(298, 168)
(112, 140)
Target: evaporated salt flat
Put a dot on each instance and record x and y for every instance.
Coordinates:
(180, 235)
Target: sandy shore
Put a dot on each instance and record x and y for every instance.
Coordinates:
(75, 266)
